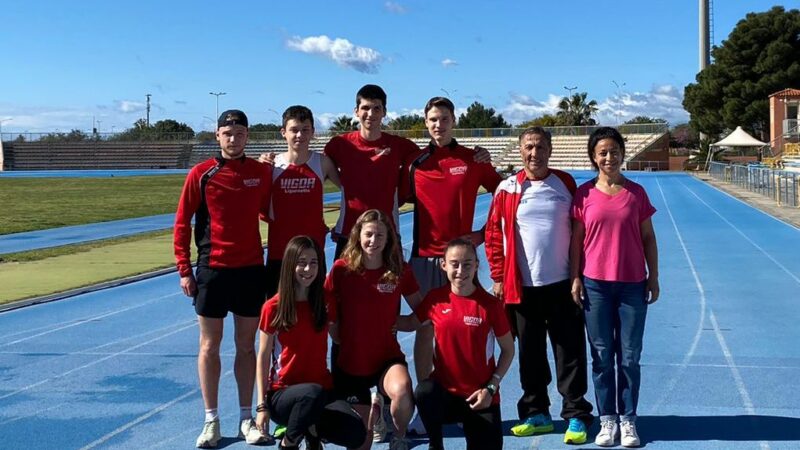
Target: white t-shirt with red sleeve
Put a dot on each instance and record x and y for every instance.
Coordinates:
(543, 229)
(368, 307)
(445, 183)
(296, 206)
(299, 354)
(612, 247)
(465, 329)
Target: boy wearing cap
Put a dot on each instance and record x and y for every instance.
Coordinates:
(225, 195)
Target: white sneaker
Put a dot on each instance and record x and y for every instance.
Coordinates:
(630, 438)
(398, 443)
(417, 427)
(210, 435)
(608, 433)
(251, 434)
(379, 430)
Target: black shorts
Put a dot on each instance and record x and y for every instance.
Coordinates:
(355, 389)
(273, 275)
(239, 290)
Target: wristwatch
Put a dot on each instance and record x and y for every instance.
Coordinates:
(492, 388)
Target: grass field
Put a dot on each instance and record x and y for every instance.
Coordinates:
(39, 203)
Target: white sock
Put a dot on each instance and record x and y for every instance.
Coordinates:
(211, 415)
(245, 412)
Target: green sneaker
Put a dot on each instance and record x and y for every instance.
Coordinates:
(280, 430)
(540, 423)
(576, 432)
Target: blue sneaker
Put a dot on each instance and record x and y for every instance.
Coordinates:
(540, 423)
(576, 432)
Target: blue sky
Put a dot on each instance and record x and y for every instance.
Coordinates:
(65, 62)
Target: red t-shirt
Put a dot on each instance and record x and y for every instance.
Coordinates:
(369, 174)
(368, 308)
(300, 354)
(444, 187)
(296, 207)
(465, 330)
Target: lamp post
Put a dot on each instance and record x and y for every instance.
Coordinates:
(217, 94)
(1, 126)
(619, 97)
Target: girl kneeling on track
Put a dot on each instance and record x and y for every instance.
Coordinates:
(366, 285)
(294, 342)
(465, 380)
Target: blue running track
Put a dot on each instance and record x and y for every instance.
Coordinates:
(117, 368)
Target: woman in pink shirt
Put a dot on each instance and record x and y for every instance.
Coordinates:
(614, 270)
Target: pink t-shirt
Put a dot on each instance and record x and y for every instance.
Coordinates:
(612, 247)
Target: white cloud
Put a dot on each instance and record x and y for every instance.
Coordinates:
(128, 106)
(324, 120)
(394, 7)
(447, 62)
(341, 51)
(522, 108)
(662, 101)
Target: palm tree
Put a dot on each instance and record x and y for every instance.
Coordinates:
(342, 124)
(575, 111)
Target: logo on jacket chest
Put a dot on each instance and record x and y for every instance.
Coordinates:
(386, 288)
(251, 182)
(473, 321)
(458, 170)
(297, 185)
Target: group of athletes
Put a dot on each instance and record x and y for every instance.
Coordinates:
(563, 260)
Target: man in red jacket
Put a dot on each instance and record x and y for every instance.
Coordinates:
(225, 195)
(527, 246)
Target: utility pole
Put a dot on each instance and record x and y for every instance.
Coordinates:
(217, 94)
(148, 109)
(705, 54)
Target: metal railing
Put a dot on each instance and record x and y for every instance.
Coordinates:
(780, 185)
(647, 166)
(263, 136)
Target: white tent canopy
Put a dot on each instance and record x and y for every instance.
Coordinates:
(739, 138)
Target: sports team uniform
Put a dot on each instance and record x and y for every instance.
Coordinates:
(465, 329)
(369, 171)
(443, 183)
(367, 307)
(295, 210)
(527, 246)
(225, 196)
(298, 372)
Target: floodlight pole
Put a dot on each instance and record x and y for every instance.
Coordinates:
(217, 94)
(147, 121)
(705, 55)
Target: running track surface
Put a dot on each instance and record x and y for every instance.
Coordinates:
(76, 234)
(116, 368)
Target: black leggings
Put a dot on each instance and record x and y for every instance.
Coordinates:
(300, 406)
(483, 429)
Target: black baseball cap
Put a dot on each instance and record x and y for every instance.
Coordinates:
(232, 117)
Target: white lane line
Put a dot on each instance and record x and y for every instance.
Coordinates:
(740, 386)
(87, 320)
(701, 182)
(781, 266)
(149, 414)
(93, 363)
(667, 391)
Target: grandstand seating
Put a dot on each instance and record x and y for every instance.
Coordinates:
(96, 155)
(569, 152)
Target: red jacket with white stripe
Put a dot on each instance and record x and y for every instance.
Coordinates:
(501, 236)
